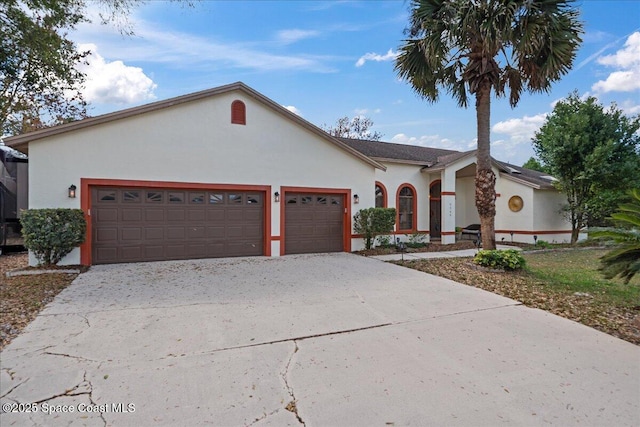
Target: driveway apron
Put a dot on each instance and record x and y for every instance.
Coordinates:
(315, 340)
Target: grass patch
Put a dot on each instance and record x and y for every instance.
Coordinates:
(564, 282)
(574, 271)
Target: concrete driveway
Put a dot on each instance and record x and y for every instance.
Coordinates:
(318, 340)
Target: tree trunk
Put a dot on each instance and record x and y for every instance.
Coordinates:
(485, 178)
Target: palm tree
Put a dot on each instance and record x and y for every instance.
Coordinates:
(625, 259)
(457, 45)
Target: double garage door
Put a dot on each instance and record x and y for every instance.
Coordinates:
(150, 224)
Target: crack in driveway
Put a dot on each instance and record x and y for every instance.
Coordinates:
(292, 406)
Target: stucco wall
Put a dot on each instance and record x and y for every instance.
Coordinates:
(196, 143)
(466, 211)
(547, 216)
(506, 219)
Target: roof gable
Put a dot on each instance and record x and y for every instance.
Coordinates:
(21, 141)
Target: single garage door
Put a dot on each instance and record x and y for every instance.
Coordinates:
(138, 224)
(313, 223)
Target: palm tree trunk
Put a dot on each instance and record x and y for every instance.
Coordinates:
(485, 178)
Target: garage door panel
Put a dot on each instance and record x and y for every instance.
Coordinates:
(176, 215)
(155, 233)
(131, 215)
(132, 225)
(154, 252)
(176, 233)
(216, 214)
(196, 233)
(154, 214)
(106, 214)
(130, 252)
(107, 235)
(314, 223)
(131, 233)
(196, 215)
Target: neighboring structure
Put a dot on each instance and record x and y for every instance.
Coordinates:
(228, 172)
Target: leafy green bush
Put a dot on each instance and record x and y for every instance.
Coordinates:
(499, 259)
(52, 233)
(385, 241)
(543, 244)
(372, 222)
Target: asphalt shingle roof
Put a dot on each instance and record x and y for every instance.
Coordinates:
(434, 157)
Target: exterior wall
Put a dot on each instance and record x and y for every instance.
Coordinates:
(507, 220)
(548, 219)
(196, 143)
(398, 174)
(466, 212)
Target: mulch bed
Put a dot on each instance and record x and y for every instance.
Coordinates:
(430, 247)
(22, 297)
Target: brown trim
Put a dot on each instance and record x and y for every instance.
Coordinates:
(414, 219)
(448, 193)
(447, 233)
(86, 184)
(385, 195)
(534, 232)
(346, 232)
(275, 238)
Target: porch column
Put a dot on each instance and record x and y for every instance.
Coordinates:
(448, 197)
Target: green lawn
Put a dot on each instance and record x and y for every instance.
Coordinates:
(577, 271)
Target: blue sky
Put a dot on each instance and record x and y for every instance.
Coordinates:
(329, 59)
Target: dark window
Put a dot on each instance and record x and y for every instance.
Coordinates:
(216, 198)
(435, 190)
(131, 196)
(238, 113)
(292, 200)
(380, 197)
(176, 197)
(336, 200)
(322, 200)
(107, 195)
(253, 199)
(235, 198)
(196, 197)
(405, 208)
(154, 196)
(307, 200)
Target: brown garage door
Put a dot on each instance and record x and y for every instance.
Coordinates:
(313, 223)
(137, 224)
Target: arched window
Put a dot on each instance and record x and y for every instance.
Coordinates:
(238, 113)
(435, 190)
(381, 196)
(406, 208)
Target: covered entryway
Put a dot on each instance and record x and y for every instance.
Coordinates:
(153, 224)
(314, 223)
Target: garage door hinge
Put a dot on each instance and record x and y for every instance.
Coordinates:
(345, 210)
(88, 212)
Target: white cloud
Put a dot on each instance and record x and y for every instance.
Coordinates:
(365, 111)
(520, 130)
(114, 82)
(294, 35)
(293, 109)
(434, 141)
(389, 56)
(185, 50)
(626, 61)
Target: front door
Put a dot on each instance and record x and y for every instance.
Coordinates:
(435, 209)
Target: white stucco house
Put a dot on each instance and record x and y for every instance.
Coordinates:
(229, 172)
